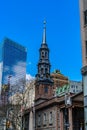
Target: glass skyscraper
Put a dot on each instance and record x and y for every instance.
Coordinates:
(12, 62)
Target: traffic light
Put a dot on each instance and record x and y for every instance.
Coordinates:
(7, 124)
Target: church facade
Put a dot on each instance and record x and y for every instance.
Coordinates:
(54, 112)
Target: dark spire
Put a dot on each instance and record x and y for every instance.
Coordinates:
(44, 63)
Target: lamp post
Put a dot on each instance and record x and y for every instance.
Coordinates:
(9, 87)
(8, 109)
(66, 111)
(21, 117)
(67, 104)
(7, 119)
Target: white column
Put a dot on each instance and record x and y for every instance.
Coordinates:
(81, 127)
(31, 121)
(70, 119)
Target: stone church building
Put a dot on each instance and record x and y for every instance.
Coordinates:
(54, 112)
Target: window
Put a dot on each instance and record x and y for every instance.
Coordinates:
(50, 118)
(86, 48)
(73, 90)
(39, 120)
(46, 54)
(46, 89)
(37, 89)
(71, 86)
(42, 70)
(26, 123)
(85, 17)
(42, 55)
(44, 119)
(76, 87)
(46, 70)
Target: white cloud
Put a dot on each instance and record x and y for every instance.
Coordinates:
(29, 77)
(19, 72)
(18, 69)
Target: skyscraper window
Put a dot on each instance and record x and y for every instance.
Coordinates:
(12, 62)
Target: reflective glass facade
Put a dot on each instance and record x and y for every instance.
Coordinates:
(12, 61)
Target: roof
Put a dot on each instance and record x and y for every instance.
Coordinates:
(78, 98)
(58, 75)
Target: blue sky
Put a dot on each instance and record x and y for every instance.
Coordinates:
(22, 21)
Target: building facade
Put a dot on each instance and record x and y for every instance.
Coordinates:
(73, 87)
(12, 63)
(55, 112)
(55, 115)
(83, 17)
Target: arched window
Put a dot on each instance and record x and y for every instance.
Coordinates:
(41, 70)
(46, 89)
(46, 54)
(37, 89)
(42, 54)
(46, 70)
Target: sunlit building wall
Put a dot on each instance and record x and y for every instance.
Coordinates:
(83, 17)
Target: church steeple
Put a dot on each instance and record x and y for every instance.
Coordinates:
(43, 84)
(44, 63)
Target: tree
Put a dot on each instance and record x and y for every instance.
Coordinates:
(9, 107)
(21, 97)
(22, 100)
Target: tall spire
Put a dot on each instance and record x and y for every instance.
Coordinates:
(44, 33)
(44, 66)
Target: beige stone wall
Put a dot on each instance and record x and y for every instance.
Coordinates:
(83, 7)
(30, 94)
